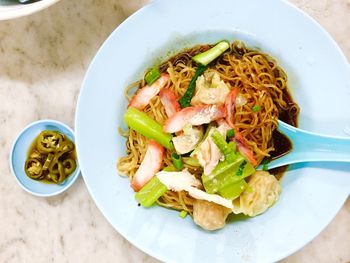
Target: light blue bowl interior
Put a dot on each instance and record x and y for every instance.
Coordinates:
(19, 155)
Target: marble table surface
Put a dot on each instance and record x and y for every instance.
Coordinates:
(43, 59)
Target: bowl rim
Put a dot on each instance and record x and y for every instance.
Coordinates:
(23, 186)
(24, 10)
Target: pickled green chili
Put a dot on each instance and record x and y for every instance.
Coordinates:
(51, 158)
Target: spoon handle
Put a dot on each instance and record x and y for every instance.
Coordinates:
(312, 147)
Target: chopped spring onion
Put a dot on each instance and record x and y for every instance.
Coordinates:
(177, 161)
(230, 133)
(241, 168)
(141, 123)
(150, 192)
(185, 101)
(183, 214)
(256, 108)
(152, 75)
(208, 56)
(265, 167)
(265, 164)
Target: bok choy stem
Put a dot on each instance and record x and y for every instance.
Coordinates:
(208, 56)
(150, 193)
(141, 123)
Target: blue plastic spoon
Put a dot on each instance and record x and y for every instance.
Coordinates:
(311, 147)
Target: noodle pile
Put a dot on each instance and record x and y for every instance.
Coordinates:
(261, 83)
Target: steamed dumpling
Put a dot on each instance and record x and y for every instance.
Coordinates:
(263, 191)
(208, 215)
(210, 89)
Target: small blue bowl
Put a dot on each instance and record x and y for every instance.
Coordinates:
(19, 153)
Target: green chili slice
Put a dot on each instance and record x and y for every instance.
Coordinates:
(33, 168)
(51, 157)
(69, 166)
(62, 174)
(48, 141)
(48, 160)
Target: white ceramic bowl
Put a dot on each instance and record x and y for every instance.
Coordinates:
(18, 10)
(319, 79)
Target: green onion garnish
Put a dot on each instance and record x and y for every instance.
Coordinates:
(241, 168)
(152, 75)
(185, 101)
(183, 214)
(265, 165)
(177, 161)
(230, 133)
(256, 108)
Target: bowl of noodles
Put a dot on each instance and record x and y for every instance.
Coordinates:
(176, 124)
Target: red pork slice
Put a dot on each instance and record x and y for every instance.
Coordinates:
(168, 99)
(150, 165)
(230, 106)
(243, 147)
(144, 95)
(195, 116)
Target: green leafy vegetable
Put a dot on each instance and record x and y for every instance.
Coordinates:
(225, 173)
(141, 123)
(232, 191)
(228, 149)
(177, 161)
(227, 177)
(185, 101)
(150, 192)
(152, 75)
(208, 56)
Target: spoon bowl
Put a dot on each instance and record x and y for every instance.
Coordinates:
(311, 147)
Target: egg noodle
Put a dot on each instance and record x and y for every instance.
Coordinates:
(263, 98)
